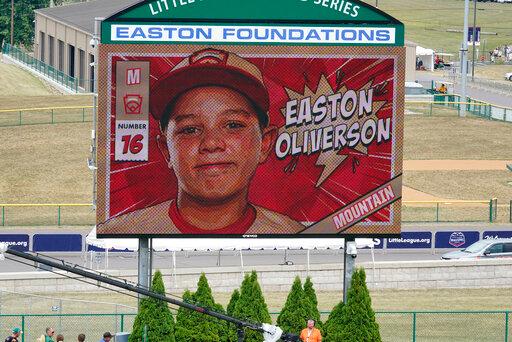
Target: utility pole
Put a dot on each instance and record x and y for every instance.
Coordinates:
(474, 43)
(464, 60)
(12, 22)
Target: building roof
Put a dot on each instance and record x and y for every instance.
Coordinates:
(81, 15)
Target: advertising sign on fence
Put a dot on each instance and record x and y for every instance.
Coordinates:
(456, 239)
(248, 129)
(411, 240)
(57, 243)
(497, 234)
(18, 242)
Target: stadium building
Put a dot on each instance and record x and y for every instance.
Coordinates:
(63, 35)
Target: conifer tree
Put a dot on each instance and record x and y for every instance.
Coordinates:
(314, 313)
(333, 326)
(296, 310)
(154, 317)
(358, 318)
(193, 326)
(232, 302)
(251, 306)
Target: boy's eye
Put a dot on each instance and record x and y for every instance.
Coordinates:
(235, 124)
(188, 130)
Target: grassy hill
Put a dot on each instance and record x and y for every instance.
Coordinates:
(16, 81)
(426, 22)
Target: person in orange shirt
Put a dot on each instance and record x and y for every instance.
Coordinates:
(311, 334)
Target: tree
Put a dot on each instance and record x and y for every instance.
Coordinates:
(314, 313)
(333, 326)
(193, 326)
(232, 302)
(296, 310)
(154, 317)
(23, 20)
(358, 318)
(251, 306)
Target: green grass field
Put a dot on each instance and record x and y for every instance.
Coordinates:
(16, 81)
(426, 22)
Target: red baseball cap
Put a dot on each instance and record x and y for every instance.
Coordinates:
(211, 67)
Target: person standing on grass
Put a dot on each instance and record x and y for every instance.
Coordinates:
(311, 334)
(48, 336)
(16, 332)
(106, 337)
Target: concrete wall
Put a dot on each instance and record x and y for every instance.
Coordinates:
(388, 275)
(69, 35)
(410, 61)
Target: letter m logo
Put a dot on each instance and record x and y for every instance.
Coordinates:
(133, 76)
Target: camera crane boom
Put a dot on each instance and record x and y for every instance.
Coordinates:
(270, 332)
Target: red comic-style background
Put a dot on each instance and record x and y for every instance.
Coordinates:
(136, 185)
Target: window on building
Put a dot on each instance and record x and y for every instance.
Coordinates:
(51, 50)
(61, 55)
(71, 60)
(41, 45)
(91, 73)
(81, 67)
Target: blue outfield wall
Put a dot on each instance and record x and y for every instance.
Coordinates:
(456, 239)
(57, 243)
(18, 242)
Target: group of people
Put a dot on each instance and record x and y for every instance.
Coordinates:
(501, 53)
(309, 334)
(49, 335)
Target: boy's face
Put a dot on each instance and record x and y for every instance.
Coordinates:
(215, 143)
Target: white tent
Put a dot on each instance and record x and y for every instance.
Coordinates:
(223, 244)
(426, 56)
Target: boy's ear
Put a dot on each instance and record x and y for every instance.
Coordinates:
(161, 143)
(268, 138)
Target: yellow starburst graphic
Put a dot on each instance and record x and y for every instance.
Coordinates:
(330, 159)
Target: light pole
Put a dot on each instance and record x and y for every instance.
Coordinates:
(464, 60)
(474, 43)
(12, 22)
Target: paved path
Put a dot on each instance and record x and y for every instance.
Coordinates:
(449, 165)
(487, 94)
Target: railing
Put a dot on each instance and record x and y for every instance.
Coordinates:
(75, 84)
(450, 211)
(446, 105)
(412, 211)
(47, 115)
(47, 214)
(395, 326)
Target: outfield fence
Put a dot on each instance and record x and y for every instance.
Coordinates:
(443, 105)
(75, 84)
(83, 214)
(395, 326)
(451, 105)
(48, 115)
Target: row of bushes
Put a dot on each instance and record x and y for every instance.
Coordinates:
(353, 321)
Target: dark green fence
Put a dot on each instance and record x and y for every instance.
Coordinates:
(395, 326)
(50, 115)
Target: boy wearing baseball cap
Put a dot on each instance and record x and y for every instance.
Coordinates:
(16, 332)
(213, 114)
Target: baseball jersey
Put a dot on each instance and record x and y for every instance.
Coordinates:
(164, 218)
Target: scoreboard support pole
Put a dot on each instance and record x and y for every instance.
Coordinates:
(145, 260)
(349, 262)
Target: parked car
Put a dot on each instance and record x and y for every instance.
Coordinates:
(489, 248)
(508, 76)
